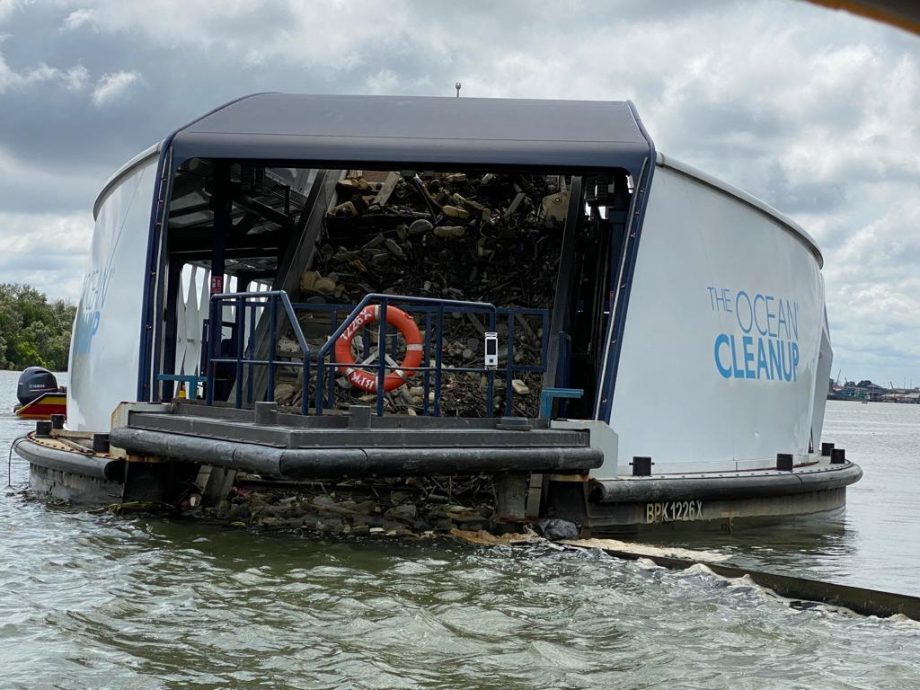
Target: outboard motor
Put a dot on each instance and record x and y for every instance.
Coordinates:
(33, 382)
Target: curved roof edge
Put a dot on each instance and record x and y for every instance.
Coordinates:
(123, 171)
(765, 208)
(333, 129)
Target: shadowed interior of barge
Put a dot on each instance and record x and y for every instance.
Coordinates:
(539, 247)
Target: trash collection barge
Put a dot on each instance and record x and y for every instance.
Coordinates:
(348, 289)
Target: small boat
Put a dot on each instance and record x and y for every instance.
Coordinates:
(39, 395)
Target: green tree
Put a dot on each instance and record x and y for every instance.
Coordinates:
(32, 330)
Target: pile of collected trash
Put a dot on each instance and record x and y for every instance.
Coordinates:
(418, 507)
(492, 238)
(396, 508)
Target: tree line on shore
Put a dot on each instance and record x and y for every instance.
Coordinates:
(33, 331)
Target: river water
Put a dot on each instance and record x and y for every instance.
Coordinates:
(95, 601)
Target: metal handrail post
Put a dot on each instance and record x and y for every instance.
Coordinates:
(241, 297)
(509, 369)
(380, 297)
(381, 356)
(273, 344)
(426, 376)
(490, 376)
(252, 329)
(239, 322)
(320, 368)
(212, 372)
(305, 392)
(330, 391)
(438, 359)
(565, 357)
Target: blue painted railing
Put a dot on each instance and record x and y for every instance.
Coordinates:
(252, 301)
(439, 305)
(252, 306)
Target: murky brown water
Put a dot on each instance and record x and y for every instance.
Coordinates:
(103, 602)
(876, 542)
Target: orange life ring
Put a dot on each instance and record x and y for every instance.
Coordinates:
(367, 380)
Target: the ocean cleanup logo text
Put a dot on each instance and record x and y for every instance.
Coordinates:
(95, 289)
(764, 345)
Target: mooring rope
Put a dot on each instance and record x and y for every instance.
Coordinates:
(9, 464)
(9, 460)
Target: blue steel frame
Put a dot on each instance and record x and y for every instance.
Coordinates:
(434, 317)
(384, 300)
(158, 215)
(621, 281)
(252, 300)
(431, 309)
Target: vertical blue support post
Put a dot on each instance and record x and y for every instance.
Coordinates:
(273, 346)
(223, 224)
(565, 356)
(509, 369)
(205, 346)
(381, 355)
(305, 392)
(209, 361)
(330, 393)
(250, 353)
(490, 375)
(439, 345)
(239, 322)
(320, 369)
(426, 351)
(365, 344)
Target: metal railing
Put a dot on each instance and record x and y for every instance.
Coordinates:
(253, 301)
(246, 348)
(438, 305)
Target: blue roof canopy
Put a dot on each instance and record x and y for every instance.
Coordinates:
(419, 131)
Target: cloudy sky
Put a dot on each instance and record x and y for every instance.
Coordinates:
(815, 111)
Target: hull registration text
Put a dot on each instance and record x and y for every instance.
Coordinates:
(673, 511)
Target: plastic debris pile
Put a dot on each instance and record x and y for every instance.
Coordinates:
(485, 238)
(411, 507)
(417, 507)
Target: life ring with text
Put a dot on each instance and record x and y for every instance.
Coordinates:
(367, 380)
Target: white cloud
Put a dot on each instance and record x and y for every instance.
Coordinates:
(7, 7)
(78, 18)
(331, 33)
(48, 251)
(815, 111)
(169, 21)
(76, 78)
(72, 79)
(12, 79)
(382, 81)
(30, 187)
(113, 86)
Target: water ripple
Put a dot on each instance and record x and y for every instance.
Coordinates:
(104, 602)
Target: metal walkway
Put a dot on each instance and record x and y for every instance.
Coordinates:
(358, 444)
